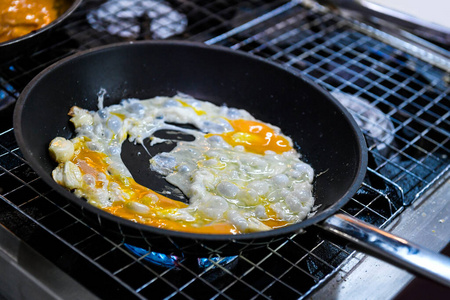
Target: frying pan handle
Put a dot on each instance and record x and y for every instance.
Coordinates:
(391, 248)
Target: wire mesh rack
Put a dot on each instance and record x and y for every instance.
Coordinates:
(402, 106)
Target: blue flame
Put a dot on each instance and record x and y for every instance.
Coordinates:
(168, 260)
(156, 258)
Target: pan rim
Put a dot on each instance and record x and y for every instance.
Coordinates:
(291, 229)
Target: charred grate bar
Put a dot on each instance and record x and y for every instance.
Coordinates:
(408, 138)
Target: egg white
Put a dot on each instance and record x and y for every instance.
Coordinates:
(224, 183)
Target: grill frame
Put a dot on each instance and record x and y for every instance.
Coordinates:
(35, 213)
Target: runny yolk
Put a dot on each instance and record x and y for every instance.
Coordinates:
(255, 136)
(272, 219)
(93, 163)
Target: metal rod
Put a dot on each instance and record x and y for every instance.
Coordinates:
(391, 248)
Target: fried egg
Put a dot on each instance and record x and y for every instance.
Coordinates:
(240, 174)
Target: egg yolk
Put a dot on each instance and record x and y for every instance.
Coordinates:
(255, 137)
(197, 111)
(94, 163)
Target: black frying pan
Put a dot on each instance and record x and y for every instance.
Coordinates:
(322, 129)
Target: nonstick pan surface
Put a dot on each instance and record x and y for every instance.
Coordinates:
(323, 131)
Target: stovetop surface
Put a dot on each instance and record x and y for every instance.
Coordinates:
(409, 148)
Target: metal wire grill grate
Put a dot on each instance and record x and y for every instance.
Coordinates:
(409, 151)
(413, 149)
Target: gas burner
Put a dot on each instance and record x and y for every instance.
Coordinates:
(8, 94)
(168, 260)
(370, 119)
(137, 19)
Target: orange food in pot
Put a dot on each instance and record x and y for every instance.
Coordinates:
(20, 17)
